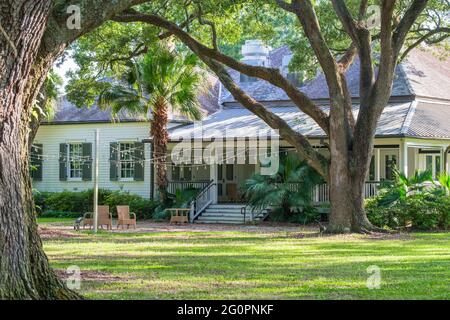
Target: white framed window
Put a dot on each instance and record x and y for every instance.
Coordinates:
(74, 161)
(432, 162)
(126, 161)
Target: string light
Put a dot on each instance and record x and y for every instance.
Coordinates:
(134, 159)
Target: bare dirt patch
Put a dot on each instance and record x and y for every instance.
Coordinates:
(55, 233)
(314, 233)
(265, 227)
(148, 226)
(91, 275)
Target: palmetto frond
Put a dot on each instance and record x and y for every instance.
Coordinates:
(121, 97)
(290, 187)
(163, 75)
(404, 186)
(444, 181)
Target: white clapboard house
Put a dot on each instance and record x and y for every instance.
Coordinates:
(413, 133)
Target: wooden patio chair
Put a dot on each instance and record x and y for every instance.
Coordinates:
(125, 217)
(104, 218)
(88, 220)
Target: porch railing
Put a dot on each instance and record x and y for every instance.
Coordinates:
(202, 201)
(321, 193)
(183, 185)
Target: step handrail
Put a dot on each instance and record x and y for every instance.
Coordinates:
(201, 201)
(244, 211)
(263, 213)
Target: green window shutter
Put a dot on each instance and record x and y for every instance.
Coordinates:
(187, 173)
(113, 157)
(175, 173)
(36, 162)
(87, 162)
(63, 162)
(139, 162)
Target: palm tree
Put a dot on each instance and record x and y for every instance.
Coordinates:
(154, 84)
(289, 188)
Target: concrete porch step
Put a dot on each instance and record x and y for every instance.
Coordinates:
(224, 213)
(227, 206)
(230, 211)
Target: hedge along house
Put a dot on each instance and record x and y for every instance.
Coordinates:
(413, 131)
(62, 154)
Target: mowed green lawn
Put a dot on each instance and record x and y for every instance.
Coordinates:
(254, 265)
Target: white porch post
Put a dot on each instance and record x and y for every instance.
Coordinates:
(213, 176)
(377, 164)
(446, 159)
(404, 157)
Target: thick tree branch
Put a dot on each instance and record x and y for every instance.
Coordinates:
(362, 39)
(271, 75)
(211, 24)
(182, 25)
(93, 13)
(425, 37)
(306, 15)
(410, 16)
(346, 19)
(284, 5)
(387, 61)
(362, 10)
(139, 50)
(314, 158)
(370, 111)
(347, 58)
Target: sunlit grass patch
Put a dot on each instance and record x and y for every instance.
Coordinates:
(255, 265)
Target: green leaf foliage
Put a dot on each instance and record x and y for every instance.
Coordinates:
(289, 191)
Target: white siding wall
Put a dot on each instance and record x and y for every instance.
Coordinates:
(51, 136)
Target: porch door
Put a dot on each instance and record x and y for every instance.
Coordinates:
(227, 186)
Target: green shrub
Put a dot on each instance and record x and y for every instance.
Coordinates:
(142, 207)
(423, 210)
(160, 213)
(59, 204)
(60, 214)
(288, 191)
(39, 200)
(179, 199)
(305, 215)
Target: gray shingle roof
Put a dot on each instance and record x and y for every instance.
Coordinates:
(241, 123)
(67, 112)
(428, 76)
(428, 120)
(421, 73)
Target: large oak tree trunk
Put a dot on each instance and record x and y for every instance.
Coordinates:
(346, 182)
(347, 174)
(24, 269)
(347, 202)
(160, 139)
